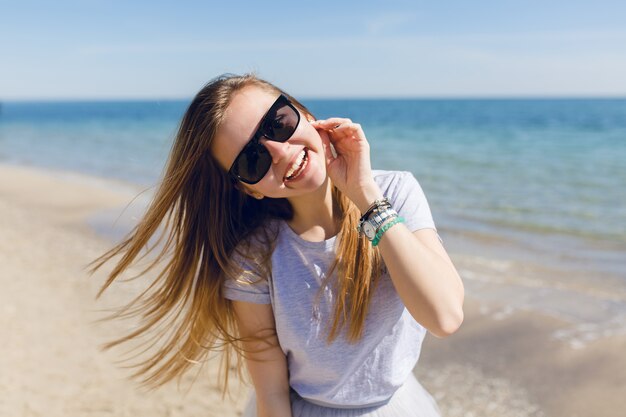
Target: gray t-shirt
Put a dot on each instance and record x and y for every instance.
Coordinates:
(340, 375)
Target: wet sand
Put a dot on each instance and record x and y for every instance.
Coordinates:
(502, 362)
(537, 373)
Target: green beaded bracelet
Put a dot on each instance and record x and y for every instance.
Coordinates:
(384, 228)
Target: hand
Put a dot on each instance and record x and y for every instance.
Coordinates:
(351, 170)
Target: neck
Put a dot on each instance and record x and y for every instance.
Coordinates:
(314, 215)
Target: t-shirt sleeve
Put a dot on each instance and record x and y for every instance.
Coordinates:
(248, 285)
(409, 201)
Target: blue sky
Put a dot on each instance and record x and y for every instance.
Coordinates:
(388, 48)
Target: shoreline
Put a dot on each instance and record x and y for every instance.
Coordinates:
(505, 359)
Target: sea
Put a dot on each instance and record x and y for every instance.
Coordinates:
(528, 195)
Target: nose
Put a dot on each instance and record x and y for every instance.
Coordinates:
(278, 150)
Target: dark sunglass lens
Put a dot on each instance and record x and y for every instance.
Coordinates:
(253, 163)
(281, 123)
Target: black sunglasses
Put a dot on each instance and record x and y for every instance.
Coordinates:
(278, 124)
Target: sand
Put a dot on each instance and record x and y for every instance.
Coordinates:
(50, 358)
(519, 355)
(51, 364)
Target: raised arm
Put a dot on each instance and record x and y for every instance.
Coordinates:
(422, 273)
(267, 364)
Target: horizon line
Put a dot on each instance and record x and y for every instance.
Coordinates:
(333, 98)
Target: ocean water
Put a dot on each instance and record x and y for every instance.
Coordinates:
(535, 178)
(510, 182)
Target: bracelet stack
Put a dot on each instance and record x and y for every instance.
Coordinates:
(378, 218)
(384, 228)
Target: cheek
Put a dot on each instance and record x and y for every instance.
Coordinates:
(323, 135)
(315, 136)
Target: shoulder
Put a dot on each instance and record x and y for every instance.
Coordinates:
(253, 252)
(248, 271)
(382, 176)
(393, 184)
(261, 238)
(407, 198)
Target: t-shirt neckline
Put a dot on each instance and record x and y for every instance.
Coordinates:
(324, 244)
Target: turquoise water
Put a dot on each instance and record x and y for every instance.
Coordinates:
(545, 174)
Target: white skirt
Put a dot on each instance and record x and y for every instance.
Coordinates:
(410, 400)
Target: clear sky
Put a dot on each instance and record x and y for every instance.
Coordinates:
(388, 48)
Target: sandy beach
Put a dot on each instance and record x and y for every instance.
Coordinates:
(502, 362)
(51, 360)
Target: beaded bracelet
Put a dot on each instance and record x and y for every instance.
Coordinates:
(384, 228)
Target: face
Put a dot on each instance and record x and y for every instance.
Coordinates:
(298, 165)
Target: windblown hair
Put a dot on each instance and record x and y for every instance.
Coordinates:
(208, 220)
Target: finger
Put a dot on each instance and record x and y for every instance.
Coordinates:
(332, 122)
(350, 129)
(335, 137)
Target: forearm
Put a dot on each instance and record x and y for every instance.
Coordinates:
(429, 285)
(271, 384)
(276, 405)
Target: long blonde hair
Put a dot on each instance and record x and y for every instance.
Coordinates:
(207, 218)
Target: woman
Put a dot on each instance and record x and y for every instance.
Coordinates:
(286, 248)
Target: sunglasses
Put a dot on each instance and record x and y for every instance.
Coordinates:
(278, 124)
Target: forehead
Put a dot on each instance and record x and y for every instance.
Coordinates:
(241, 119)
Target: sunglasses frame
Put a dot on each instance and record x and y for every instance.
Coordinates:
(262, 132)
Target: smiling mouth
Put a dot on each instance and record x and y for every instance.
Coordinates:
(298, 165)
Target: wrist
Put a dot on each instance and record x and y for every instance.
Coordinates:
(366, 195)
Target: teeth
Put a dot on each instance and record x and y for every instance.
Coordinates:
(296, 164)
